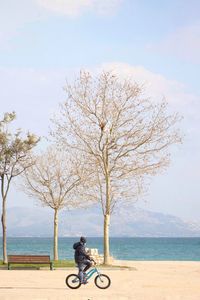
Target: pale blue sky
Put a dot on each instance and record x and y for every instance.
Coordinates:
(42, 42)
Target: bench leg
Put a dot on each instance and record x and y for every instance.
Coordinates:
(51, 266)
(8, 266)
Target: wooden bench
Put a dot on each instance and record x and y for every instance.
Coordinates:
(29, 259)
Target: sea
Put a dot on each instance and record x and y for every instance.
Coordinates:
(122, 248)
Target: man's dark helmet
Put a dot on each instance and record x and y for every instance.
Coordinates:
(83, 240)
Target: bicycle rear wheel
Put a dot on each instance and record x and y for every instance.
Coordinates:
(73, 281)
(102, 281)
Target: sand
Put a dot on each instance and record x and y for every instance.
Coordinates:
(144, 281)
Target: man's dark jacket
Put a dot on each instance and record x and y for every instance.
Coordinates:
(80, 253)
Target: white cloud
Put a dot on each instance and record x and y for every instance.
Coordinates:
(76, 7)
(184, 44)
(156, 85)
(15, 15)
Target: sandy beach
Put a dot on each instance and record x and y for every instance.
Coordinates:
(143, 281)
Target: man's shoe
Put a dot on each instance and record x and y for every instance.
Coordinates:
(84, 282)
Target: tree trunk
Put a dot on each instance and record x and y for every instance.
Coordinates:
(106, 239)
(3, 218)
(3, 221)
(55, 234)
(107, 218)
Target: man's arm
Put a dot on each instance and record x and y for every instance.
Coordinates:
(85, 253)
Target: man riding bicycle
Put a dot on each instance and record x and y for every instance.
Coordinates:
(82, 259)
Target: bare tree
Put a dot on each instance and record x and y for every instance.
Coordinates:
(14, 160)
(54, 179)
(122, 135)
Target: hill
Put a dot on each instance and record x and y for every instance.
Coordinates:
(128, 221)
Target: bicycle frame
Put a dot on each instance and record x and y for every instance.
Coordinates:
(90, 273)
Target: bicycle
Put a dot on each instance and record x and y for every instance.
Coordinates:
(102, 281)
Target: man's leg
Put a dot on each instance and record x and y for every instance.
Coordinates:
(87, 264)
(80, 274)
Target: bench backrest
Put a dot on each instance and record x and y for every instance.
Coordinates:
(29, 259)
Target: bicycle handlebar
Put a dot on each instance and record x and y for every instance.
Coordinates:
(94, 261)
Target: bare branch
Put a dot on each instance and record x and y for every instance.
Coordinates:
(122, 137)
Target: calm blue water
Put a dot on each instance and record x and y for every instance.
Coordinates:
(120, 248)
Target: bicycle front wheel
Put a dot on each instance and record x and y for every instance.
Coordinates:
(102, 281)
(73, 281)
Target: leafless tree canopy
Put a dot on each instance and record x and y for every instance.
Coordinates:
(122, 135)
(54, 179)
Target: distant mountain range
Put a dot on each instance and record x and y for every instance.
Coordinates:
(127, 221)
